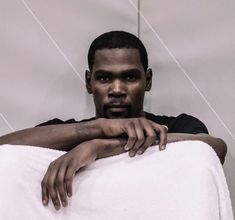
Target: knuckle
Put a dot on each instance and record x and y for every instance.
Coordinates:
(137, 120)
(129, 124)
(140, 141)
(153, 136)
(162, 129)
(43, 183)
(72, 164)
(50, 185)
(59, 182)
(134, 119)
(132, 138)
(51, 164)
(68, 179)
(142, 119)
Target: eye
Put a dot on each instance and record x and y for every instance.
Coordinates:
(103, 78)
(131, 77)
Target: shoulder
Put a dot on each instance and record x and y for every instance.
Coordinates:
(57, 121)
(182, 123)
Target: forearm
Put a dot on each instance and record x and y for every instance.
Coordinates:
(60, 137)
(109, 147)
(217, 144)
(115, 146)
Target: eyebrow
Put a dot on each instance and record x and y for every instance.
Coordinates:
(134, 70)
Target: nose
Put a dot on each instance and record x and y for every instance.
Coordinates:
(117, 89)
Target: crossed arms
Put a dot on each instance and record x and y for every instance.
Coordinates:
(88, 141)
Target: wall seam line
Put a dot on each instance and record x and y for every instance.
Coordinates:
(52, 40)
(183, 71)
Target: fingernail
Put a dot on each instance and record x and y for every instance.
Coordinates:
(57, 206)
(165, 127)
(139, 152)
(126, 147)
(64, 204)
(132, 154)
(163, 147)
(44, 202)
(69, 194)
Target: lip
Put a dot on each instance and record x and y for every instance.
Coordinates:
(117, 109)
(116, 106)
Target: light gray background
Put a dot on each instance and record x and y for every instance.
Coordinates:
(191, 47)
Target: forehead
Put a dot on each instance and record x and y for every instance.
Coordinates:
(117, 59)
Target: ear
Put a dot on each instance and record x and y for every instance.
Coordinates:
(88, 82)
(148, 80)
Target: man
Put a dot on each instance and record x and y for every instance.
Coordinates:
(118, 77)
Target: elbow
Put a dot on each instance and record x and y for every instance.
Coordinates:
(2, 141)
(221, 150)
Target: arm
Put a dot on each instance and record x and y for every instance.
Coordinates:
(57, 182)
(217, 144)
(112, 147)
(141, 133)
(60, 137)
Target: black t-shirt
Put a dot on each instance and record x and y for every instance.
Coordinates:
(181, 124)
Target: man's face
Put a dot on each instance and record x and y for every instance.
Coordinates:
(118, 83)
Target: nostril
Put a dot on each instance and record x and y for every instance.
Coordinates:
(117, 94)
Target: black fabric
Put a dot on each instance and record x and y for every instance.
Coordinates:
(57, 121)
(181, 124)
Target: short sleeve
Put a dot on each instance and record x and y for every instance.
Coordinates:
(56, 121)
(188, 124)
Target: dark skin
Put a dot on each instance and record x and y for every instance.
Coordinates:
(118, 83)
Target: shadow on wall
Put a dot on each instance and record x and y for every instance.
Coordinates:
(65, 97)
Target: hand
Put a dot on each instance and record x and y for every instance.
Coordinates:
(57, 182)
(141, 133)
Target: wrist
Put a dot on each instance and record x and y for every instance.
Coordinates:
(175, 137)
(99, 146)
(88, 130)
(109, 147)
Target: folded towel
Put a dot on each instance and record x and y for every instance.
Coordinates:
(185, 181)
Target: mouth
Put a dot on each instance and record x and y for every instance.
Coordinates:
(117, 111)
(117, 106)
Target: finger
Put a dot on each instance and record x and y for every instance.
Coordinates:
(163, 137)
(69, 179)
(162, 132)
(60, 185)
(130, 130)
(140, 138)
(51, 186)
(150, 139)
(144, 147)
(45, 194)
(165, 127)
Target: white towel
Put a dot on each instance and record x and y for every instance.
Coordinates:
(185, 181)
